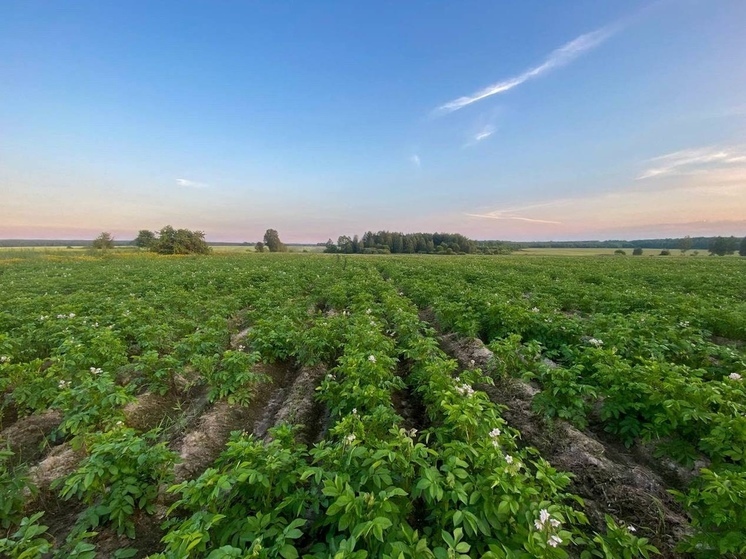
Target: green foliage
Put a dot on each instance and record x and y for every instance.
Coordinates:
(120, 475)
(628, 343)
(30, 541)
(91, 403)
(716, 502)
(103, 242)
(620, 542)
(253, 497)
(234, 379)
(144, 239)
(388, 242)
(272, 241)
(179, 241)
(13, 482)
(565, 395)
(723, 245)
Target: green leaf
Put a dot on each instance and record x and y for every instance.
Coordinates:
(288, 551)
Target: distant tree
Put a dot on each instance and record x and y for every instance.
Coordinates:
(259, 247)
(180, 241)
(719, 246)
(731, 245)
(272, 240)
(620, 251)
(144, 239)
(685, 244)
(665, 252)
(344, 243)
(330, 247)
(742, 248)
(637, 252)
(104, 241)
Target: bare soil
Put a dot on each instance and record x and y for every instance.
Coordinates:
(147, 536)
(8, 415)
(59, 515)
(408, 404)
(151, 410)
(201, 446)
(299, 407)
(27, 437)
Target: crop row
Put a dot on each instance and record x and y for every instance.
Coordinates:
(87, 338)
(647, 373)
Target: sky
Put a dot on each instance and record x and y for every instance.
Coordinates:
(515, 120)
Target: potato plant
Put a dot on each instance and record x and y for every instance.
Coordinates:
(650, 351)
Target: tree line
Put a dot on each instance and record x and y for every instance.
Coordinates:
(390, 242)
(671, 243)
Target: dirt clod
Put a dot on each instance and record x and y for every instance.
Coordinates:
(27, 436)
(149, 411)
(201, 446)
(300, 406)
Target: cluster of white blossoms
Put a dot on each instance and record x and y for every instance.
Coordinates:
(372, 358)
(595, 342)
(412, 433)
(44, 317)
(465, 390)
(241, 347)
(535, 309)
(734, 376)
(546, 522)
(96, 371)
(71, 315)
(63, 384)
(684, 323)
(4, 359)
(349, 439)
(494, 434)
(508, 458)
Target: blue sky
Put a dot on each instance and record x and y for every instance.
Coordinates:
(499, 120)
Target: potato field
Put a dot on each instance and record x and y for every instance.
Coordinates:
(326, 406)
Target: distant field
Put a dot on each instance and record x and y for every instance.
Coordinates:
(244, 248)
(77, 249)
(599, 252)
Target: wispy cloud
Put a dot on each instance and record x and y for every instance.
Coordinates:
(514, 213)
(415, 160)
(484, 133)
(693, 161)
(559, 57)
(191, 184)
(480, 135)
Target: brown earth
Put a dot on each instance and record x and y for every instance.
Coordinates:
(300, 407)
(201, 446)
(27, 437)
